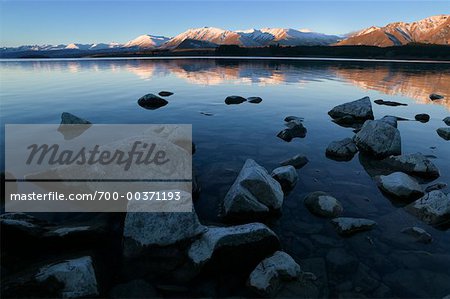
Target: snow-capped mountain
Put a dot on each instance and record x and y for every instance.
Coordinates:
(146, 41)
(432, 30)
(252, 37)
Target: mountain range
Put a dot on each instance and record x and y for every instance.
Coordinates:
(431, 30)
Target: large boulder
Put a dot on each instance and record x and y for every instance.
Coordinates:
(285, 175)
(392, 120)
(342, 150)
(378, 139)
(444, 133)
(152, 102)
(347, 226)
(215, 238)
(254, 191)
(356, 111)
(415, 164)
(143, 230)
(323, 204)
(76, 275)
(432, 208)
(399, 185)
(267, 278)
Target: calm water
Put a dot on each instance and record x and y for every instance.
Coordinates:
(378, 263)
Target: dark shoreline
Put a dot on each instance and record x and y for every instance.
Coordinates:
(409, 52)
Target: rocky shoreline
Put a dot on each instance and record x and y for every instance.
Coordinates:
(140, 255)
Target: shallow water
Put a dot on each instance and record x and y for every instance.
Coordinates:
(378, 263)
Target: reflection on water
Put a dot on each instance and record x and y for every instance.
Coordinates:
(381, 263)
(416, 81)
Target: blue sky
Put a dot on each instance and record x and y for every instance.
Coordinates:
(55, 22)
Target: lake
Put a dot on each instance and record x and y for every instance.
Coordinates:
(378, 263)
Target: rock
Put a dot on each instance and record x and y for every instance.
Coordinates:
(254, 100)
(435, 96)
(215, 238)
(70, 119)
(134, 289)
(295, 118)
(322, 204)
(423, 117)
(447, 120)
(254, 191)
(392, 120)
(232, 100)
(388, 103)
(432, 208)
(419, 234)
(165, 93)
(342, 150)
(400, 185)
(356, 111)
(152, 102)
(348, 226)
(295, 130)
(21, 226)
(285, 175)
(77, 276)
(268, 276)
(298, 161)
(444, 133)
(378, 139)
(436, 186)
(415, 164)
(158, 229)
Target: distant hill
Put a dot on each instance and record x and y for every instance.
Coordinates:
(432, 30)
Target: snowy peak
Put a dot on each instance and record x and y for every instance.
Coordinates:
(146, 41)
(431, 30)
(209, 34)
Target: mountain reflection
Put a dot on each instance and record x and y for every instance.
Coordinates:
(414, 80)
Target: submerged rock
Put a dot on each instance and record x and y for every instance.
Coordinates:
(378, 139)
(414, 164)
(267, 278)
(323, 204)
(254, 191)
(400, 185)
(348, 226)
(143, 230)
(215, 238)
(295, 130)
(423, 117)
(419, 234)
(356, 111)
(432, 208)
(298, 161)
(389, 103)
(152, 102)
(435, 96)
(447, 120)
(342, 150)
(444, 133)
(70, 119)
(165, 93)
(77, 276)
(285, 175)
(233, 100)
(254, 100)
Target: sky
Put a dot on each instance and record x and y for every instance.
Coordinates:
(82, 21)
